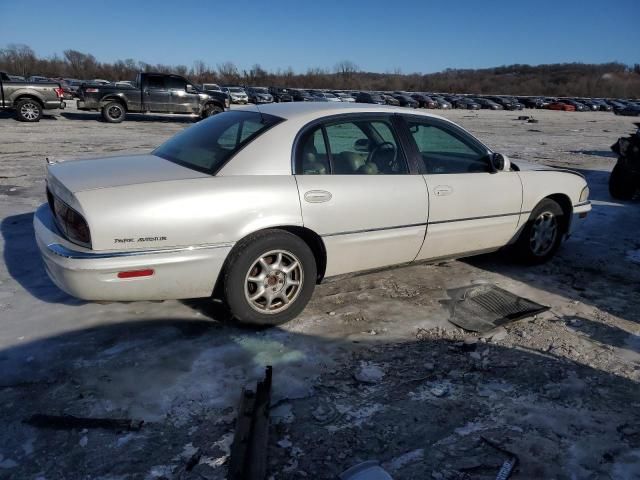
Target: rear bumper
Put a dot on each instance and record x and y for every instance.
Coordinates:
(179, 272)
(54, 104)
(87, 105)
(580, 213)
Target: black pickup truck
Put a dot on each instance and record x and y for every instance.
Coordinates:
(151, 93)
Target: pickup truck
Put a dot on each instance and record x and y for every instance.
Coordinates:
(29, 99)
(151, 93)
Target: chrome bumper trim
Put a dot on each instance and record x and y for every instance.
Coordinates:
(65, 252)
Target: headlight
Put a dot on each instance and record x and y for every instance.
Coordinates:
(584, 195)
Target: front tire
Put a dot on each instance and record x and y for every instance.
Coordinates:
(542, 235)
(621, 184)
(28, 110)
(113, 112)
(269, 278)
(211, 110)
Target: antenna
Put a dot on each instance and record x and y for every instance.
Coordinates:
(262, 120)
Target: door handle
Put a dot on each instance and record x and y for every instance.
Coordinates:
(442, 190)
(317, 196)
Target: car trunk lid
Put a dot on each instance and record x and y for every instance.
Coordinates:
(80, 175)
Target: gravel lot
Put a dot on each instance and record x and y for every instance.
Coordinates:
(373, 369)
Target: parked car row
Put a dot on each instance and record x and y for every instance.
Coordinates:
(95, 94)
(259, 95)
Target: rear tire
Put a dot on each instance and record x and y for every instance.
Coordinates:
(28, 110)
(542, 235)
(269, 278)
(621, 184)
(113, 112)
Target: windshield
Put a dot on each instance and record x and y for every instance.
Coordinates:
(260, 90)
(236, 90)
(209, 144)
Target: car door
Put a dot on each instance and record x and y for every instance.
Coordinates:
(359, 194)
(155, 94)
(181, 100)
(472, 207)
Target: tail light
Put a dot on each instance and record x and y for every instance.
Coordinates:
(91, 90)
(71, 223)
(59, 92)
(136, 273)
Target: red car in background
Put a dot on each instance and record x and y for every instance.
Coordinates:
(561, 106)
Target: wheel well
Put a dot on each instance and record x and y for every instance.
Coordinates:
(311, 238)
(315, 243)
(30, 97)
(567, 208)
(215, 103)
(106, 100)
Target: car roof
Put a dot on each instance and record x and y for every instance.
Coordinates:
(311, 110)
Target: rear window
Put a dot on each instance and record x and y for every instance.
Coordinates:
(209, 144)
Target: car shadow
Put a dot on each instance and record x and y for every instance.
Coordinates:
(10, 114)
(23, 261)
(604, 334)
(133, 117)
(183, 378)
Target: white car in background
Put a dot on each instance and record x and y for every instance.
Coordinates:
(260, 205)
(237, 94)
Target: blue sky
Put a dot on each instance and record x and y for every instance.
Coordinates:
(413, 36)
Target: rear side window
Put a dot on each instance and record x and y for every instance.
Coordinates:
(209, 144)
(357, 147)
(177, 83)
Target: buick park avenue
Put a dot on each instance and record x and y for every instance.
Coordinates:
(260, 205)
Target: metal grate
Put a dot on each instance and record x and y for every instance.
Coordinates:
(480, 308)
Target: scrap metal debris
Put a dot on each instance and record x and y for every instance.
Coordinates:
(481, 308)
(509, 465)
(68, 422)
(248, 458)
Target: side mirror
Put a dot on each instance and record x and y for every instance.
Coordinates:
(190, 89)
(499, 162)
(361, 145)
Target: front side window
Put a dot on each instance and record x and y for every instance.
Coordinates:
(358, 147)
(444, 150)
(209, 144)
(156, 82)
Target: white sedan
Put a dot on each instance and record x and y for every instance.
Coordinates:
(258, 206)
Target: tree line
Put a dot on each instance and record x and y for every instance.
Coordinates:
(610, 80)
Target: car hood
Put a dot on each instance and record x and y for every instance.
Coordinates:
(80, 175)
(524, 166)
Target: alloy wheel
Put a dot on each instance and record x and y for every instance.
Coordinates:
(273, 281)
(543, 234)
(29, 111)
(115, 112)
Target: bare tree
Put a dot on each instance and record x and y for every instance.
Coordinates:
(19, 58)
(83, 65)
(228, 72)
(577, 79)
